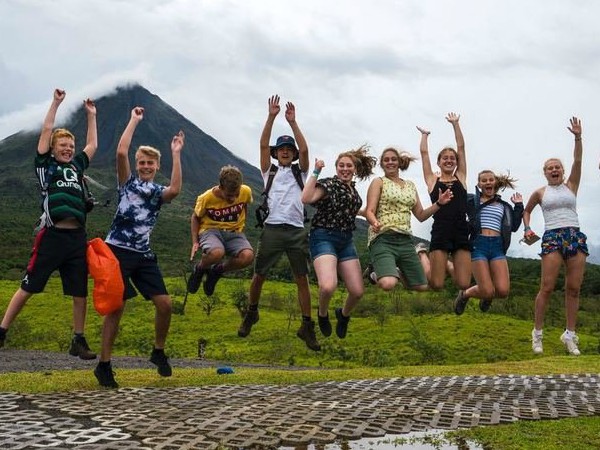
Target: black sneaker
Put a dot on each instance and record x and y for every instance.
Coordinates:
(324, 325)
(79, 347)
(162, 363)
(307, 334)
(214, 275)
(368, 274)
(195, 279)
(2, 337)
(105, 375)
(485, 304)
(460, 303)
(250, 318)
(341, 327)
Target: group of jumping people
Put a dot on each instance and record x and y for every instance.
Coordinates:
(470, 234)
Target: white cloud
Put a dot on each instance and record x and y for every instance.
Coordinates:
(357, 71)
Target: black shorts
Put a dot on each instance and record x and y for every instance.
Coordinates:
(62, 249)
(449, 235)
(142, 270)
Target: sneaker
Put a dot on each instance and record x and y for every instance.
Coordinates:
(79, 347)
(370, 275)
(214, 275)
(421, 248)
(195, 279)
(105, 375)
(485, 304)
(460, 303)
(341, 327)
(161, 361)
(570, 342)
(250, 318)
(324, 325)
(307, 334)
(536, 343)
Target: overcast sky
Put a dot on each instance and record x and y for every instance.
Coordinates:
(357, 71)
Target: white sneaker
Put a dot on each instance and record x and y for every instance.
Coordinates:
(571, 343)
(536, 343)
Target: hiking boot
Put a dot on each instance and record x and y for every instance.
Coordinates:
(324, 325)
(460, 303)
(307, 334)
(105, 375)
(250, 318)
(79, 347)
(485, 304)
(370, 275)
(341, 328)
(161, 361)
(214, 274)
(570, 340)
(195, 279)
(536, 342)
(421, 248)
(2, 337)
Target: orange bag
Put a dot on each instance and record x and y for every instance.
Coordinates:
(105, 270)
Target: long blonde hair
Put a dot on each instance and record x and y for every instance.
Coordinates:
(363, 162)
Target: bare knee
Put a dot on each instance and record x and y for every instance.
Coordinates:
(387, 283)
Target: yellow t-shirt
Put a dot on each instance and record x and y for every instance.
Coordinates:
(215, 212)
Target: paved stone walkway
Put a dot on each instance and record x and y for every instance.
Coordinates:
(272, 416)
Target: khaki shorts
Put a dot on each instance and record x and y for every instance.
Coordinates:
(274, 241)
(390, 250)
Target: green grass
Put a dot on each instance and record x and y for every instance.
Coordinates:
(398, 335)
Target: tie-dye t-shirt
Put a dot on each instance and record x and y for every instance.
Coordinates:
(139, 205)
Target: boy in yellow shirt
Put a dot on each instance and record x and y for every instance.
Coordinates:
(217, 226)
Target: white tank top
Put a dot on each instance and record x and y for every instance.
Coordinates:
(559, 205)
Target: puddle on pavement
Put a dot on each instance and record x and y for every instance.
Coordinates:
(431, 440)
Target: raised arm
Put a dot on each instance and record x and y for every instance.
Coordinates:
(174, 187)
(461, 169)
(123, 168)
(428, 174)
(290, 116)
(91, 143)
(265, 150)
(48, 125)
(575, 175)
(311, 192)
(373, 195)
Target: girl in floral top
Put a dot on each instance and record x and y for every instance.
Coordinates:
(331, 247)
(390, 202)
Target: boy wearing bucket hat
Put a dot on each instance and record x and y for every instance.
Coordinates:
(283, 230)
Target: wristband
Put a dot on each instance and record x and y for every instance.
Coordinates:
(527, 228)
(578, 138)
(438, 204)
(316, 173)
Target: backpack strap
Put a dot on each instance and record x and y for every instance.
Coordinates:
(272, 172)
(298, 175)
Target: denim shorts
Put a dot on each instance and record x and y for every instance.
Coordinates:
(487, 248)
(565, 240)
(332, 242)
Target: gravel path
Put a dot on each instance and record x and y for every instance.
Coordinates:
(13, 360)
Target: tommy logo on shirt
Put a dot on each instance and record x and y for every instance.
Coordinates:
(227, 214)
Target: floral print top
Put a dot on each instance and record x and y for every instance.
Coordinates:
(338, 208)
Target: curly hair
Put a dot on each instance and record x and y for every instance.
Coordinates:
(363, 162)
(404, 158)
(230, 178)
(503, 181)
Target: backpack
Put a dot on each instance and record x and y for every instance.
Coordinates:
(262, 212)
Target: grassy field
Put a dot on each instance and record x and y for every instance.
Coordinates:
(391, 335)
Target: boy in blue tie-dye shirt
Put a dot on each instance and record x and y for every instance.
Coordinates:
(140, 200)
